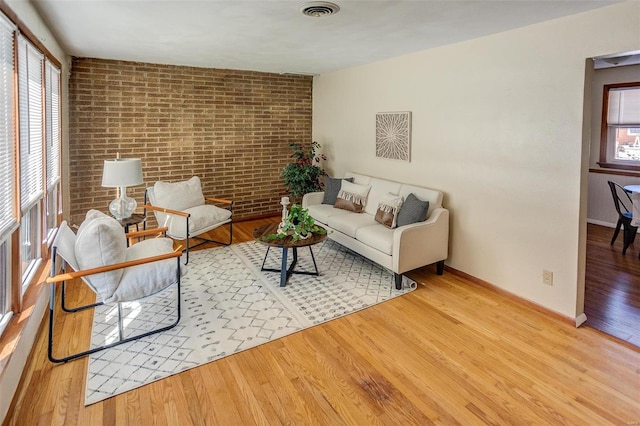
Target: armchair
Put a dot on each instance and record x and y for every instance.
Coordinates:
(98, 254)
(181, 208)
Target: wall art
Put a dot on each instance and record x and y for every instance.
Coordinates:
(393, 135)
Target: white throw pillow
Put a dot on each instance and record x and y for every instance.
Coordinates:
(388, 208)
(352, 196)
(179, 195)
(101, 242)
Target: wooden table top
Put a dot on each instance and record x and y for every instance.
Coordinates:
(288, 241)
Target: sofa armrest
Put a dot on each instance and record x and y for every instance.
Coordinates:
(312, 198)
(422, 243)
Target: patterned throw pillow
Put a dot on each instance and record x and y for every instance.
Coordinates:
(387, 212)
(331, 188)
(352, 197)
(413, 210)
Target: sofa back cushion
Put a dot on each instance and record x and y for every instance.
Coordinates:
(432, 196)
(380, 188)
(358, 178)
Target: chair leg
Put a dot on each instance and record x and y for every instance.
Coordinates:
(616, 232)
(627, 238)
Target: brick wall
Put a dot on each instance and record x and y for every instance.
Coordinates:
(231, 128)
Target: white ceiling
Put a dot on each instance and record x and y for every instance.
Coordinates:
(274, 36)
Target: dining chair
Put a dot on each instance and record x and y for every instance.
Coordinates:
(623, 204)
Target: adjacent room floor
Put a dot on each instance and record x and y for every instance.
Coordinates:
(612, 288)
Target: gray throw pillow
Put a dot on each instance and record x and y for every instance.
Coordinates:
(331, 189)
(413, 210)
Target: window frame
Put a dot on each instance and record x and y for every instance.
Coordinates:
(605, 162)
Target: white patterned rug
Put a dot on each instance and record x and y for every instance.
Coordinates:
(229, 305)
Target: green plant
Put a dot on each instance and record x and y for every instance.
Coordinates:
(298, 225)
(303, 174)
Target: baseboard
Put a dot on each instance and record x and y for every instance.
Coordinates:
(581, 319)
(520, 299)
(258, 217)
(601, 223)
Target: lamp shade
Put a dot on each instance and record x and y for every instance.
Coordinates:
(122, 172)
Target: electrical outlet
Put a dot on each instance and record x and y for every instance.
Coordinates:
(547, 277)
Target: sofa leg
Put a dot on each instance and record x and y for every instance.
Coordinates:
(440, 267)
(398, 280)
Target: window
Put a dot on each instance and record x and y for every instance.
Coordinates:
(52, 139)
(8, 214)
(620, 134)
(31, 147)
(29, 161)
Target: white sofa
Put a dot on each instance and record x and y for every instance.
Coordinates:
(400, 249)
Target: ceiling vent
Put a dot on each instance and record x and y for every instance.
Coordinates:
(318, 9)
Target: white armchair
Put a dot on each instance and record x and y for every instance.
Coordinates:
(180, 206)
(98, 254)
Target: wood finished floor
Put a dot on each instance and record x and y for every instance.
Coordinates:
(451, 352)
(612, 285)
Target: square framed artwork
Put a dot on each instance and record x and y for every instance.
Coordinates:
(393, 135)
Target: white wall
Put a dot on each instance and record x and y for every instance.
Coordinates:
(10, 377)
(497, 126)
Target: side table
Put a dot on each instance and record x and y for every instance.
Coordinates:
(135, 219)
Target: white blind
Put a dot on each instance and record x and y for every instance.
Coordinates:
(624, 107)
(30, 114)
(7, 128)
(52, 123)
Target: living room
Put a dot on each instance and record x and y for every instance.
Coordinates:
(498, 125)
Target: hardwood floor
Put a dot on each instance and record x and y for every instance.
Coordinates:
(612, 285)
(451, 352)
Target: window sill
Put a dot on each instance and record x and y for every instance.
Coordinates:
(17, 324)
(618, 166)
(615, 172)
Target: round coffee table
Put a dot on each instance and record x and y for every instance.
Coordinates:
(286, 243)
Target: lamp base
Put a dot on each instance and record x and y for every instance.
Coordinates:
(123, 207)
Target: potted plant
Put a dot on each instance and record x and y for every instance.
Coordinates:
(298, 224)
(302, 224)
(303, 174)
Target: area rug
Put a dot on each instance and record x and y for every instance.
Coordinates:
(230, 305)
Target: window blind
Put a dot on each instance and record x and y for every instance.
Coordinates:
(52, 124)
(624, 107)
(7, 128)
(30, 114)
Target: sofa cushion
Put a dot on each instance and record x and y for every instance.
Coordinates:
(377, 236)
(178, 195)
(388, 208)
(352, 197)
(331, 188)
(349, 223)
(413, 210)
(322, 212)
(150, 278)
(379, 190)
(358, 178)
(432, 196)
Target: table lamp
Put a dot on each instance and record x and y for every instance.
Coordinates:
(120, 173)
